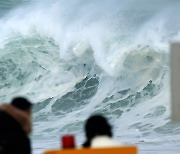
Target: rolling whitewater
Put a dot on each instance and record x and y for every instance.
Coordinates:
(74, 58)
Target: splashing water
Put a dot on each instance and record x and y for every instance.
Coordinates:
(74, 58)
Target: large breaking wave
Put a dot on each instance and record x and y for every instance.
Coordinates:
(75, 58)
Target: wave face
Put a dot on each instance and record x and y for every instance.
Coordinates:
(74, 58)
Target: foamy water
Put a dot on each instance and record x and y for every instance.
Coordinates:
(74, 58)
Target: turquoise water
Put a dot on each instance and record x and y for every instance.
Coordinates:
(75, 58)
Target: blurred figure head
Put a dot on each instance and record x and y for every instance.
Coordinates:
(96, 125)
(22, 104)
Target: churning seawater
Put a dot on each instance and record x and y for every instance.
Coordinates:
(72, 58)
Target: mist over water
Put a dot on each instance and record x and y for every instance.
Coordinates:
(74, 58)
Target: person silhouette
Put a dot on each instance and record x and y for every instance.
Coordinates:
(15, 120)
(98, 132)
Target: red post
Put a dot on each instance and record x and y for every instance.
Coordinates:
(68, 141)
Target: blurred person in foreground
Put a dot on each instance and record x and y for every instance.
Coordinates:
(98, 133)
(15, 127)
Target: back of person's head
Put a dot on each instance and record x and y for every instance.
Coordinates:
(96, 125)
(21, 103)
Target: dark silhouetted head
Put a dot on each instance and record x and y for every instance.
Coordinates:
(21, 103)
(96, 125)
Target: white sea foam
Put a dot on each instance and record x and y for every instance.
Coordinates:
(75, 58)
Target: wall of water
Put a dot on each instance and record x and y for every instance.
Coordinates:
(74, 58)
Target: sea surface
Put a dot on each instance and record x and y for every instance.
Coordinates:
(74, 58)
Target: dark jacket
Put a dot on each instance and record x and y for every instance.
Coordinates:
(13, 139)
